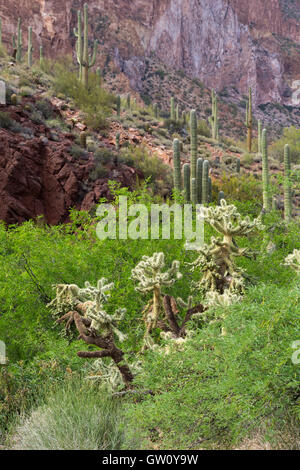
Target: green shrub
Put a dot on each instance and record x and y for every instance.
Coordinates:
(150, 165)
(203, 128)
(45, 108)
(241, 188)
(5, 121)
(94, 101)
(291, 136)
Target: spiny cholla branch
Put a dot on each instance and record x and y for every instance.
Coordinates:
(84, 307)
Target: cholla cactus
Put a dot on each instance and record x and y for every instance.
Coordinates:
(293, 261)
(151, 278)
(85, 308)
(214, 299)
(216, 261)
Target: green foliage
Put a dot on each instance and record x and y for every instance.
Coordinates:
(95, 102)
(152, 167)
(290, 136)
(241, 188)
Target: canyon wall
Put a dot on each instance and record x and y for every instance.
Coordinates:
(223, 43)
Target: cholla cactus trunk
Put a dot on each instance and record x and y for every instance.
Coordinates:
(172, 104)
(118, 105)
(265, 173)
(187, 182)
(194, 197)
(259, 136)
(177, 166)
(221, 196)
(194, 142)
(30, 47)
(205, 182)
(19, 42)
(249, 122)
(287, 185)
(87, 62)
(238, 165)
(199, 179)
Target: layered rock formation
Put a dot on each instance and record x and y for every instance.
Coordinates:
(224, 43)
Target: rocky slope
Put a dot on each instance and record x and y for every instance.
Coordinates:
(223, 43)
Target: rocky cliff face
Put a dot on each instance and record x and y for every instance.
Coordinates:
(237, 43)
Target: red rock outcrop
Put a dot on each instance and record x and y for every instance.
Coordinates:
(224, 43)
(38, 176)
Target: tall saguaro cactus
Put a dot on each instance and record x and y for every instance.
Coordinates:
(287, 185)
(194, 142)
(30, 47)
(172, 113)
(213, 119)
(205, 182)
(18, 46)
(187, 182)
(265, 172)
(259, 136)
(84, 59)
(78, 35)
(41, 56)
(249, 121)
(176, 162)
(0, 32)
(199, 179)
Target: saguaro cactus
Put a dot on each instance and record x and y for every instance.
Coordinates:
(172, 104)
(199, 179)
(18, 46)
(30, 47)
(83, 137)
(128, 101)
(259, 136)
(177, 113)
(98, 73)
(249, 121)
(205, 182)
(194, 142)
(118, 105)
(194, 197)
(187, 182)
(78, 35)
(213, 119)
(238, 165)
(265, 173)
(155, 109)
(177, 167)
(41, 56)
(84, 59)
(287, 185)
(0, 32)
